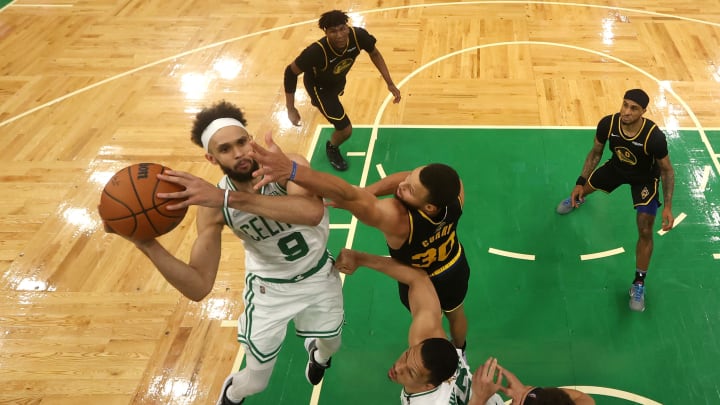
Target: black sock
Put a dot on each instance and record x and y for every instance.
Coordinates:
(640, 277)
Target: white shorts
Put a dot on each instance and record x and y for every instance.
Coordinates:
(315, 304)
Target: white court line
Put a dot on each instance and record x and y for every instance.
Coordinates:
(238, 359)
(600, 255)
(380, 170)
(228, 323)
(716, 256)
(42, 5)
(613, 393)
(677, 221)
(513, 255)
(356, 154)
(704, 179)
(340, 226)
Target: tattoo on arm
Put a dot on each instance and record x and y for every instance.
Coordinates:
(591, 162)
(668, 185)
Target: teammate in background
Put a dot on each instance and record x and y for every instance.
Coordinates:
(639, 158)
(284, 229)
(325, 64)
(432, 371)
(419, 224)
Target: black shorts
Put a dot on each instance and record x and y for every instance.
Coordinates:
(607, 178)
(451, 285)
(327, 100)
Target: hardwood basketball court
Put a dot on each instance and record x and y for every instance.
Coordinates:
(90, 87)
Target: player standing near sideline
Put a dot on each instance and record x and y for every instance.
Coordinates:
(325, 64)
(639, 158)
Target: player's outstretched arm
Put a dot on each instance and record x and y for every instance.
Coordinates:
(276, 166)
(424, 302)
(387, 185)
(299, 207)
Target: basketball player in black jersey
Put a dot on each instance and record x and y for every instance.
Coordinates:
(325, 64)
(639, 158)
(419, 224)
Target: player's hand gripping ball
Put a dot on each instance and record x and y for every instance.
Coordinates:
(129, 205)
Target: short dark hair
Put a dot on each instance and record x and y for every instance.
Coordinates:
(221, 109)
(442, 182)
(551, 396)
(440, 357)
(332, 19)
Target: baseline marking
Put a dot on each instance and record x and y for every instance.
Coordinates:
(600, 255)
(613, 393)
(716, 256)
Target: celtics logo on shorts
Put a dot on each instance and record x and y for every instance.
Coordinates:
(644, 193)
(625, 155)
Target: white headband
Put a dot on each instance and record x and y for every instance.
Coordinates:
(215, 126)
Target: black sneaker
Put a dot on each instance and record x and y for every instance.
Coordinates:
(314, 371)
(335, 157)
(224, 400)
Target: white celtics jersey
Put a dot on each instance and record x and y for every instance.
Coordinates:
(275, 249)
(455, 391)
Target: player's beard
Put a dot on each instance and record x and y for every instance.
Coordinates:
(241, 177)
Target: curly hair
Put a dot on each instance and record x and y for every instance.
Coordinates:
(332, 19)
(221, 109)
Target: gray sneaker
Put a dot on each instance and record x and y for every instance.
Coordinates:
(565, 207)
(637, 297)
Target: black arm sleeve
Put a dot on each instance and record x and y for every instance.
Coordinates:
(290, 80)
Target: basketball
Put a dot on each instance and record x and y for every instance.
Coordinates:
(129, 205)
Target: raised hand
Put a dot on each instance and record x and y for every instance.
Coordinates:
(486, 381)
(275, 166)
(197, 191)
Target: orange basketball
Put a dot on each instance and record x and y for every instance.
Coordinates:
(130, 207)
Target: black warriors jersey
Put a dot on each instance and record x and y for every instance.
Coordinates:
(324, 66)
(633, 155)
(433, 244)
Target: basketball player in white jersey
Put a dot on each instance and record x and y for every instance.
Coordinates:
(289, 273)
(432, 370)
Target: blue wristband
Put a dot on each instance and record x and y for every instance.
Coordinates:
(293, 172)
